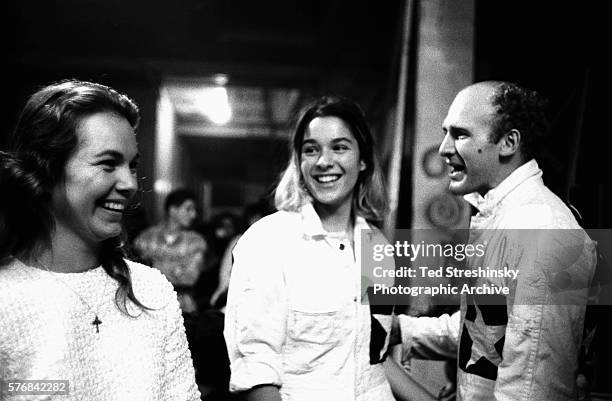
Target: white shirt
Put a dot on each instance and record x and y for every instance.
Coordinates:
(526, 348)
(294, 316)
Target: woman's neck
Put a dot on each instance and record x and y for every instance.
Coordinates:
(67, 256)
(335, 218)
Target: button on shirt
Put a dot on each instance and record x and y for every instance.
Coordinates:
(294, 316)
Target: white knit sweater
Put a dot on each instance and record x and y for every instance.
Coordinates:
(46, 333)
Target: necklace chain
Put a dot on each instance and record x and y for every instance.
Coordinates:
(96, 322)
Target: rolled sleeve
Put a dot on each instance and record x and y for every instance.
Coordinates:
(430, 337)
(256, 312)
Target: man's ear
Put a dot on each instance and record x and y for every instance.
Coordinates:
(510, 143)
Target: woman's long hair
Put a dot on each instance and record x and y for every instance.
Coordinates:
(369, 199)
(44, 139)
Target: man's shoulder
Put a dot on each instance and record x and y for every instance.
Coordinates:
(193, 234)
(195, 238)
(149, 232)
(535, 206)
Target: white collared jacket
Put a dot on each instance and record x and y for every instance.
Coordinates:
(524, 347)
(294, 315)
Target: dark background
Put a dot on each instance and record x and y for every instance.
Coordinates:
(339, 46)
(558, 49)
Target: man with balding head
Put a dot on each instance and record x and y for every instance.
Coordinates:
(491, 129)
(523, 345)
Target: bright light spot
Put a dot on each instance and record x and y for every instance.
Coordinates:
(213, 102)
(221, 79)
(162, 186)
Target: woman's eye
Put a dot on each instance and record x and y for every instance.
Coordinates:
(341, 148)
(133, 167)
(309, 150)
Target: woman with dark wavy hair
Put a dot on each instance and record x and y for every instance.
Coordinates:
(71, 307)
(296, 328)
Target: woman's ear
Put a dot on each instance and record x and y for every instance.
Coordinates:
(362, 165)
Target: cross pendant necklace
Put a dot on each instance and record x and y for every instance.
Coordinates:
(96, 322)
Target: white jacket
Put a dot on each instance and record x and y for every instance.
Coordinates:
(294, 316)
(526, 347)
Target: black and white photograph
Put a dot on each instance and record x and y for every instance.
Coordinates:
(291, 200)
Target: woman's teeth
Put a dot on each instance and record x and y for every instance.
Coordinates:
(323, 179)
(115, 206)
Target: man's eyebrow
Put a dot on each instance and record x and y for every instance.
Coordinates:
(453, 130)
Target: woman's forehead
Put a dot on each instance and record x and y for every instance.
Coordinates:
(328, 128)
(106, 132)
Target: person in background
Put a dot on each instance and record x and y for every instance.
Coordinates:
(206, 336)
(218, 232)
(294, 323)
(224, 227)
(252, 213)
(71, 306)
(173, 248)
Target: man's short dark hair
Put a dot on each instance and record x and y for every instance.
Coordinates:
(521, 109)
(178, 197)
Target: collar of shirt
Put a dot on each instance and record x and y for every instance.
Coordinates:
(313, 226)
(487, 204)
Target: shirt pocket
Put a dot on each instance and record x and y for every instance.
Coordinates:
(312, 341)
(313, 327)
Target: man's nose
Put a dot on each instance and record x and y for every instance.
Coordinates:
(447, 147)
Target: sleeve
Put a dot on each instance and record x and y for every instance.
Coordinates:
(256, 312)
(179, 376)
(381, 307)
(225, 270)
(430, 337)
(545, 317)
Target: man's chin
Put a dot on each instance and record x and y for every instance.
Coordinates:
(457, 188)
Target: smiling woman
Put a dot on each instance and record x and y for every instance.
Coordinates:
(99, 180)
(71, 307)
(297, 327)
(330, 163)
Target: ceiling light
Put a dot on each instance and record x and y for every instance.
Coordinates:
(214, 103)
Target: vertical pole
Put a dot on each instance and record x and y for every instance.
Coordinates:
(395, 166)
(166, 153)
(573, 159)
